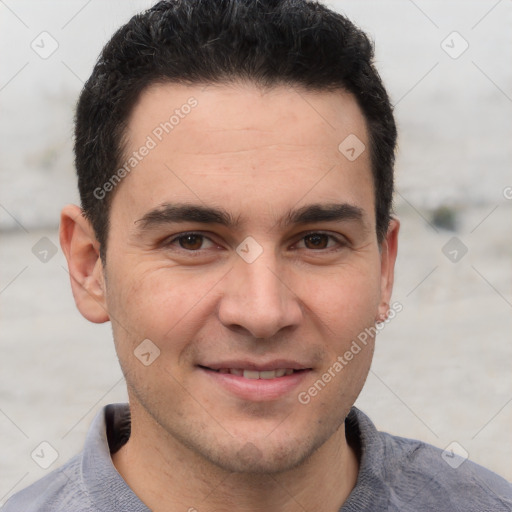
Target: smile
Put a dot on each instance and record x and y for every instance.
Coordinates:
(253, 374)
(256, 385)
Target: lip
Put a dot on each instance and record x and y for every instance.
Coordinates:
(260, 366)
(256, 390)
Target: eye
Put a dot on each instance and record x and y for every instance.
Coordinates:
(189, 241)
(320, 241)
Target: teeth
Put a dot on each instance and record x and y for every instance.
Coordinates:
(253, 374)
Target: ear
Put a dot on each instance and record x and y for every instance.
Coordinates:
(81, 249)
(389, 248)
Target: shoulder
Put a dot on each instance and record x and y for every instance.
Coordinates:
(59, 491)
(425, 473)
(89, 481)
(416, 476)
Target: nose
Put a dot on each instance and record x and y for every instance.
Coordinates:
(259, 299)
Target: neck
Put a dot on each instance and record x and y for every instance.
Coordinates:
(166, 475)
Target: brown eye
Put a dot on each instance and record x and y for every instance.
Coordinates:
(191, 242)
(322, 243)
(317, 241)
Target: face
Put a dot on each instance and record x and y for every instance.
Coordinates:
(243, 246)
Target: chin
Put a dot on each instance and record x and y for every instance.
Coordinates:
(250, 460)
(263, 456)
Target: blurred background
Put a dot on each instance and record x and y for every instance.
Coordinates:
(441, 371)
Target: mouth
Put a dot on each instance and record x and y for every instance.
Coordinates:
(256, 374)
(255, 383)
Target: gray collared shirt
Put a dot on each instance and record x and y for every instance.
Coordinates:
(395, 474)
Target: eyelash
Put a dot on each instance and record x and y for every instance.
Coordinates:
(341, 242)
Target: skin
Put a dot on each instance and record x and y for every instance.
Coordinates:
(257, 154)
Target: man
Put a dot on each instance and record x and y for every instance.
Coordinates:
(235, 166)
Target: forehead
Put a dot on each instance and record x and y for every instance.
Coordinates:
(245, 146)
(164, 108)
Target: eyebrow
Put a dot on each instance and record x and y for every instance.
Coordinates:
(184, 212)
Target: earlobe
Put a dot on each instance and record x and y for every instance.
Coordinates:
(81, 249)
(389, 251)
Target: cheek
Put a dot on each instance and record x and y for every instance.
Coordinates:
(346, 300)
(159, 304)
(346, 309)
